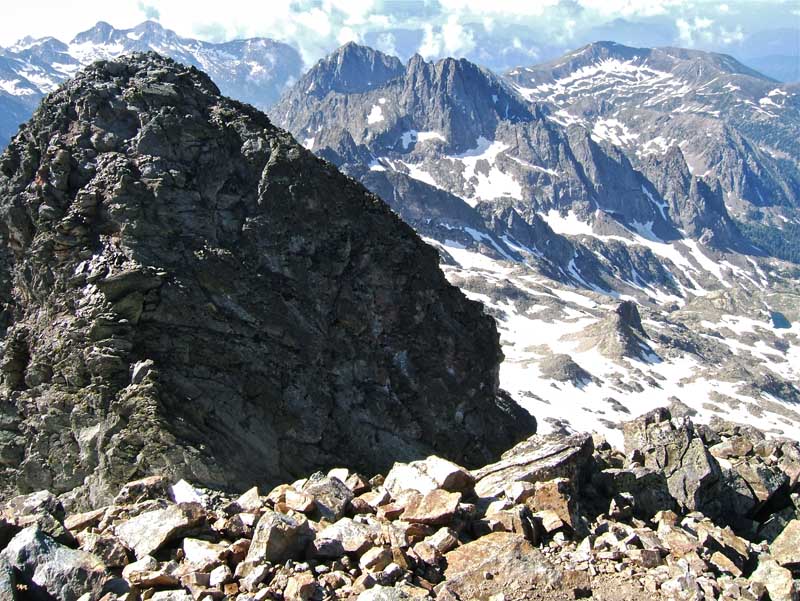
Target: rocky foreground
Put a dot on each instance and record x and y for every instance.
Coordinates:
(688, 512)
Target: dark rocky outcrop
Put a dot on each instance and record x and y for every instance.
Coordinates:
(562, 368)
(619, 335)
(184, 286)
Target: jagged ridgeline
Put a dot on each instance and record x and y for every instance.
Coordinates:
(189, 292)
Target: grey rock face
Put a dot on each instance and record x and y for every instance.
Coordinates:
(460, 110)
(672, 446)
(185, 286)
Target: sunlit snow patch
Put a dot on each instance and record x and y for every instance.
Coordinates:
(375, 115)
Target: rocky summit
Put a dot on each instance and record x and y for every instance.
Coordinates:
(557, 518)
(188, 292)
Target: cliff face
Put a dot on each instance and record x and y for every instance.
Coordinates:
(189, 292)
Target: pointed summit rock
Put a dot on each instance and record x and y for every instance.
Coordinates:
(186, 291)
(352, 68)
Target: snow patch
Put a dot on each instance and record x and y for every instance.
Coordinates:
(614, 131)
(412, 136)
(568, 224)
(375, 115)
(10, 87)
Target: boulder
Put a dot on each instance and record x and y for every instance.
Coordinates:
(383, 593)
(536, 459)
(786, 547)
(250, 501)
(203, 555)
(149, 531)
(173, 595)
(183, 492)
(41, 562)
(32, 505)
(558, 496)
(647, 487)
(220, 576)
(279, 537)
(79, 521)
(735, 446)
(777, 580)
(344, 537)
(330, 495)
(443, 540)
(765, 481)
(106, 547)
(673, 447)
(136, 571)
(144, 489)
(40, 508)
(301, 587)
(499, 563)
(298, 501)
(435, 508)
(518, 491)
(428, 474)
(375, 559)
(517, 519)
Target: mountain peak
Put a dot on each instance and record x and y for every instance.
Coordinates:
(212, 276)
(149, 25)
(100, 33)
(352, 68)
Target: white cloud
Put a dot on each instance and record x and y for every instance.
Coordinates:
(451, 39)
(733, 36)
(627, 8)
(447, 27)
(347, 34)
(387, 43)
(431, 45)
(456, 40)
(498, 8)
(697, 30)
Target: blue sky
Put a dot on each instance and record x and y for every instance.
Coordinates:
(434, 28)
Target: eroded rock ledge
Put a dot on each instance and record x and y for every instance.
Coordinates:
(556, 518)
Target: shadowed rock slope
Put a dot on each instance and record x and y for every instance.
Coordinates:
(189, 292)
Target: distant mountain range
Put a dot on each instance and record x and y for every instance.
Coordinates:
(259, 70)
(256, 71)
